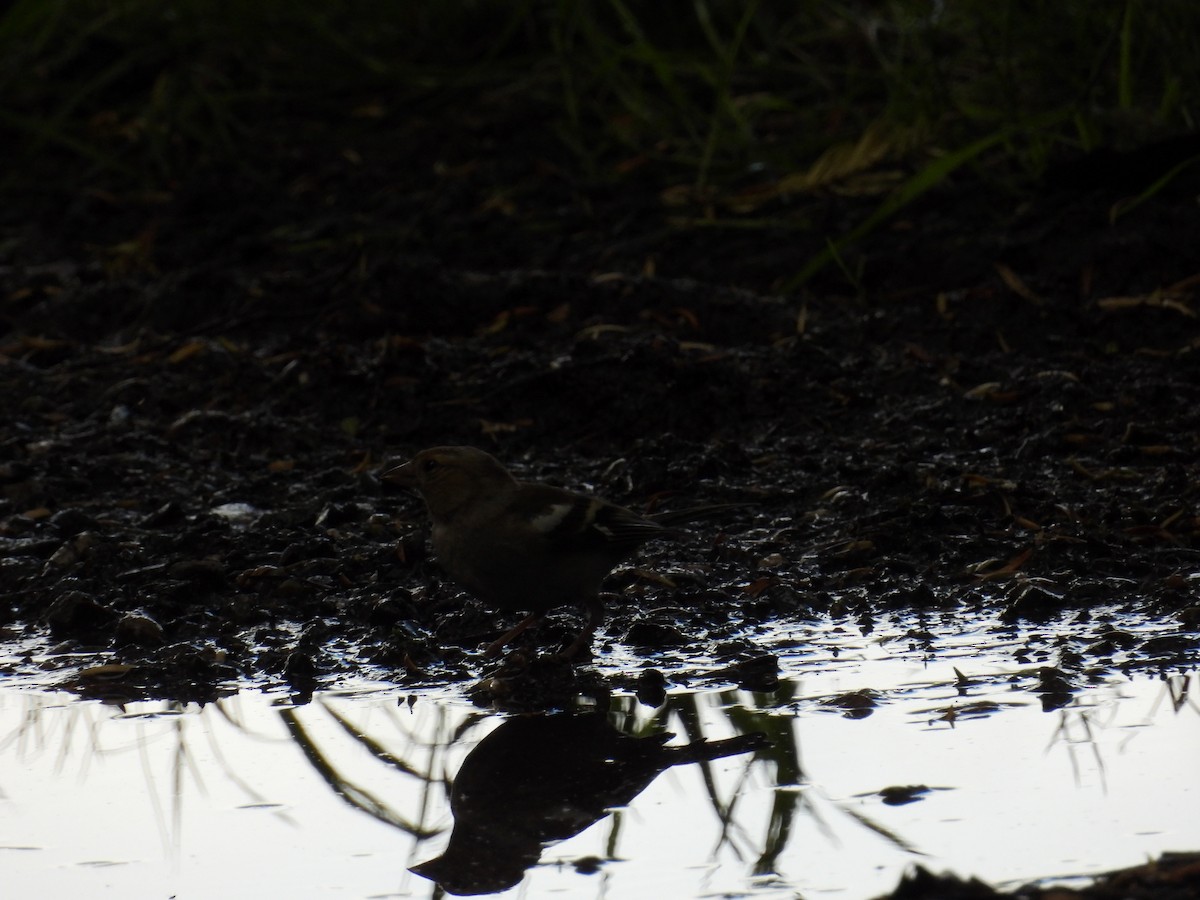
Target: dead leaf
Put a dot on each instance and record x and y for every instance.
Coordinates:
(491, 429)
(497, 324)
(120, 349)
(594, 331)
(1155, 300)
(1184, 285)
(837, 164)
(1123, 474)
(34, 343)
(187, 351)
(606, 277)
(1009, 568)
(500, 201)
(1016, 285)
(655, 578)
(688, 316)
(758, 585)
(989, 390)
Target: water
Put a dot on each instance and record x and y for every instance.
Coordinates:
(254, 796)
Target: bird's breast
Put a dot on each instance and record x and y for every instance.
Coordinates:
(510, 573)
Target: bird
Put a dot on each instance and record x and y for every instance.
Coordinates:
(543, 778)
(519, 545)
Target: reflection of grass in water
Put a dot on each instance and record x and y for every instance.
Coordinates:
(405, 748)
(84, 732)
(77, 730)
(745, 713)
(425, 746)
(1177, 692)
(684, 714)
(343, 783)
(1079, 725)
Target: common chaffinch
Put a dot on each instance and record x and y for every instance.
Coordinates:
(518, 545)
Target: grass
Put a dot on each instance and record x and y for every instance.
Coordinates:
(729, 106)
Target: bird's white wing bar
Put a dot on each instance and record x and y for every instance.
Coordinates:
(560, 518)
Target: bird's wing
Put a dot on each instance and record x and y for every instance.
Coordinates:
(570, 520)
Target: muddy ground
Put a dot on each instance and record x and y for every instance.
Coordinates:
(999, 409)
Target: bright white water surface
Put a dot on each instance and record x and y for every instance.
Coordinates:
(256, 797)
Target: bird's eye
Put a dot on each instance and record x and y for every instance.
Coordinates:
(429, 465)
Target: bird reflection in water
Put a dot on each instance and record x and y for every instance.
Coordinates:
(539, 779)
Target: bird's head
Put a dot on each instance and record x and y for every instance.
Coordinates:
(449, 478)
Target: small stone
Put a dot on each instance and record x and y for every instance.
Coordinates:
(138, 628)
(77, 613)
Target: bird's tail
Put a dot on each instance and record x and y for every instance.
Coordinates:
(692, 513)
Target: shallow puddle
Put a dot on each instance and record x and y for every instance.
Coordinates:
(882, 756)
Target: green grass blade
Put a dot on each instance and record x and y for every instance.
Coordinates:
(1122, 207)
(1125, 66)
(931, 176)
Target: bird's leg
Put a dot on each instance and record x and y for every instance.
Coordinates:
(595, 608)
(494, 648)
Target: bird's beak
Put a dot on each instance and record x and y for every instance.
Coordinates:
(403, 475)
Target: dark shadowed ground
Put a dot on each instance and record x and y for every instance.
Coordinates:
(999, 410)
